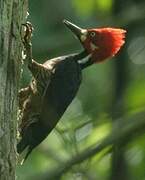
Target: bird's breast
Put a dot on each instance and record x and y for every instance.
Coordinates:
(62, 89)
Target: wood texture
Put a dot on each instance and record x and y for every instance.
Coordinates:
(12, 15)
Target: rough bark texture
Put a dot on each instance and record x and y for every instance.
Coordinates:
(12, 15)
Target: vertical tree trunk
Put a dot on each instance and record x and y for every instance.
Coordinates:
(12, 15)
(119, 167)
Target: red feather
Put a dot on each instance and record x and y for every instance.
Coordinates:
(107, 40)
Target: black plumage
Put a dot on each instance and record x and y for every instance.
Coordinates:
(45, 100)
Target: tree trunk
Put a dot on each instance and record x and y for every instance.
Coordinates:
(119, 167)
(12, 15)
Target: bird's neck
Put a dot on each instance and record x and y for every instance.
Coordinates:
(84, 59)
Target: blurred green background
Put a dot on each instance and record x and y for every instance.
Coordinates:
(109, 91)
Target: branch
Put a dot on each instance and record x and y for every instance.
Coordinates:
(123, 130)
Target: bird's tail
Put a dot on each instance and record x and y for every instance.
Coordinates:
(27, 154)
(21, 146)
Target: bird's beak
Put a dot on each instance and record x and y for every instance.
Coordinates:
(79, 32)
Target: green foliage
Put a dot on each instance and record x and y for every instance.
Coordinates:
(88, 7)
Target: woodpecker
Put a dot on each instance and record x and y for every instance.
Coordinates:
(56, 82)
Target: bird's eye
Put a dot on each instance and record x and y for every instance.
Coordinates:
(93, 34)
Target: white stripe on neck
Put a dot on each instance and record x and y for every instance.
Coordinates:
(85, 60)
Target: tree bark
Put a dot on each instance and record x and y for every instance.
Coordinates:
(12, 15)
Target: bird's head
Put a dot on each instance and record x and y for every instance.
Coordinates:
(100, 43)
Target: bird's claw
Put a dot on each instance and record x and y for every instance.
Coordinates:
(27, 33)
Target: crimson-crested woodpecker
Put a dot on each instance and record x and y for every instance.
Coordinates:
(56, 82)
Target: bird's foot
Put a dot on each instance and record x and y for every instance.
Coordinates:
(27, 33)
(26, 39)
